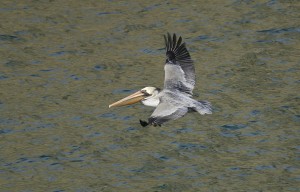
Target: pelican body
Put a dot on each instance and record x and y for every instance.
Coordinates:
(175, 99)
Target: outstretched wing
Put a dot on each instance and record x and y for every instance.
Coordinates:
(165, 111)
(179, 67)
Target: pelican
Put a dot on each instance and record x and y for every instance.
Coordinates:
(175, 99)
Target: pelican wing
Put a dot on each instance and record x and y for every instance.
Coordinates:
(167, 110)
(179, 67)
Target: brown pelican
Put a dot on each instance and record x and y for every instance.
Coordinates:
(175, 100)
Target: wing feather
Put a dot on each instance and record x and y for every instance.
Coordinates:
(178, 55)
(166, 111)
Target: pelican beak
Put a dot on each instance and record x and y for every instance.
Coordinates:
(131, 99)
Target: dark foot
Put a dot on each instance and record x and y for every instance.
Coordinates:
(143, 123)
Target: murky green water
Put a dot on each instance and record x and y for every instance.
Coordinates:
(63, 63)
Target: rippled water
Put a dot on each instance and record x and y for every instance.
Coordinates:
(62, 63)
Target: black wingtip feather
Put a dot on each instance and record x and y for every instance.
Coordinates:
(171, 55)
(165, 41)
(174, 40)
(175, 49)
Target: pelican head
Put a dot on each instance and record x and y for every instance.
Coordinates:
(144, 95)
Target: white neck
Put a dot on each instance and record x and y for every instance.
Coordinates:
(152, 101)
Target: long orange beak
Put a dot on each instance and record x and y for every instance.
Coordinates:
(131, 99)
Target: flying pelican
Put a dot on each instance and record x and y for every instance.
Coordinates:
(175, 100)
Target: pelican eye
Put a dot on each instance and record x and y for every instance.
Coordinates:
(145, 93)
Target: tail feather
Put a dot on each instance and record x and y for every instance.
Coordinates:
(203, 107)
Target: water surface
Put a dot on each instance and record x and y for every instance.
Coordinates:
(63, 63)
